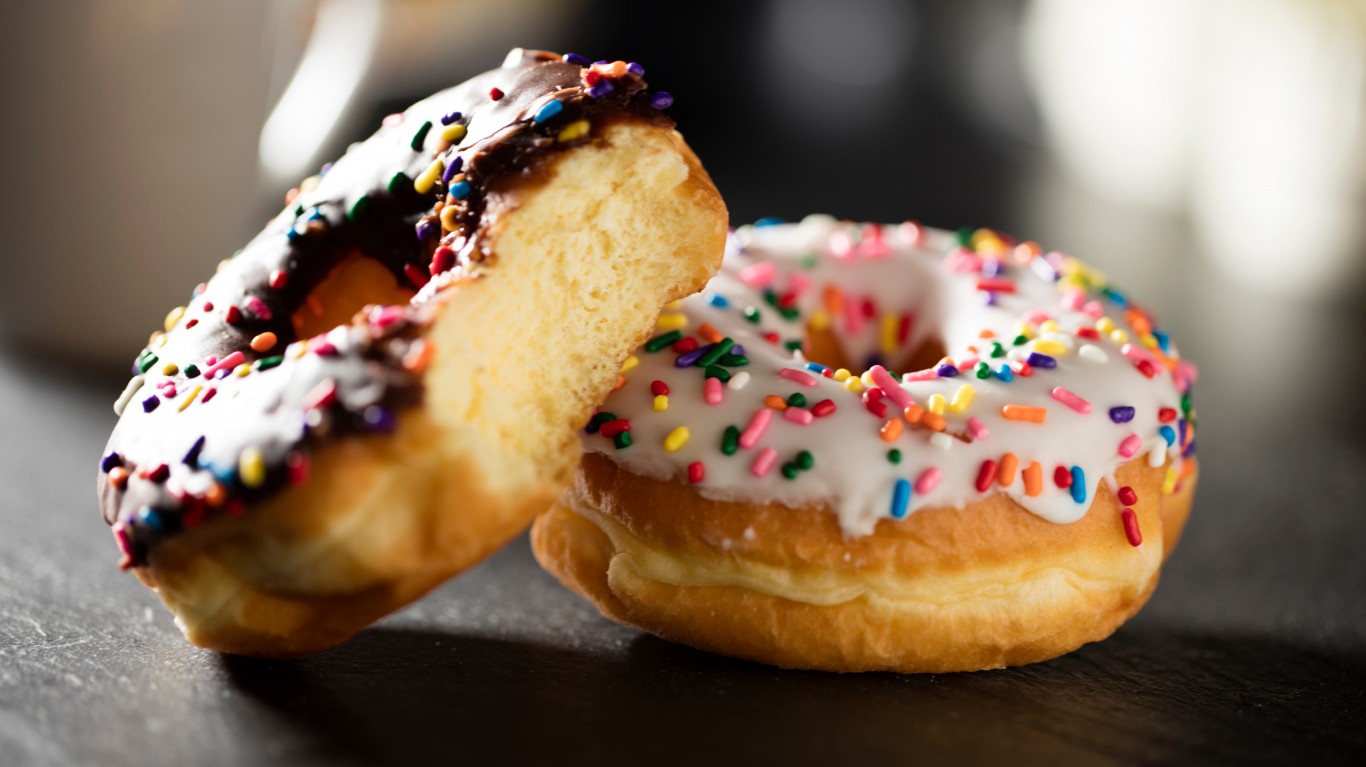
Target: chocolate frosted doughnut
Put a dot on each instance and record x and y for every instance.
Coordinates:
(380, 388)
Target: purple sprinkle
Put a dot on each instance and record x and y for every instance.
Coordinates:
(946, 371)
(1044, 270)
(991, 268)
(987, 297)
(378, 418)
(688, 359)
(452, 169)
(1041, 360)
(1189, 450)
(325, 169)
(109, 461)
(662, 100)
(635, 69)
(601, 61)
(191, 458)
(450, 118)
(1121, 414)
(602, 88)
(737, 350)
(426, 228)
(151, 403)
(574, 58)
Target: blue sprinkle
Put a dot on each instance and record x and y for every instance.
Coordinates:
(1078, 485)
(1004, 373)
(548, 111)
(814, 367)
(1122, 414)
(151, 403)
(292, 234)
(316, 214)
(688, 359)
(662, 100)
(151, 518)
(1168, 433)
(450, 118)
(191, 458)
(768, 221)
(574, 58)
(1041, 360)
(719, 301)
(425, 229)
(460, 191)
(452, 169)
(109, 461)
(946, 370)
(1115, 296)
(901, 498)
(1164, 341)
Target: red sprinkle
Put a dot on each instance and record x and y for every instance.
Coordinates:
(1025, 369)
(659, 388)
(684, 345)
(1091, 334)
(1166, 415)
(696, 472)
(876, 406)
(986, 476)
(771, 337)
(232, 315)
(1146, 368)
(208, 395)
(495, 94)
(297, 464)
(1062, 477)
(157, 474)
(443, 258)
(1127, 496)
(613, 428)
(996, 284)
(823, 408)
(278, 278)
(415, 273)
(1131, 530)
(191, 323)
(322, 395)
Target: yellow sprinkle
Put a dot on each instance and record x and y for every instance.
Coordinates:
(1105, 325)
(450, 218)
(1169, 481)
(672, 321)
(427, 180)
(962, 398)
(575, 130)
(297, 349)
(853, 384)
(189, 398)
(158, 339)
(1024, 329)
(170, 369)
(173, 316)
(309, 184)
(936, 404)
(1119, 336)
(242, 370)
(674, 305)
(453, 133)
(630, 364)
(676, 439)
(819, 321)
(1148, 340)
(888, 334)
(867, 379)
(1048, 347)
(252, 467)
(1048, 326)
(842, 375)
(661, 402)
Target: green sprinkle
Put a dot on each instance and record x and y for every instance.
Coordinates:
(734, 360)
(964, 236)
(770, 297)
(982, 371)
(622, 440)
(997, 351)
(1020, 340)
(894, 455)
(808, 260)
(358, 207)
(662, 340)
(794, 345)
(602, 418)
(298, 211)
(1186, 404)
(730, 441)
(716, 371)
(796, 400)
(146, 360)
(789, 312)
(719, 348)
(421, 136)
(750, 313)
(191, 371)
(399, 181)
(805, 460)
(266, 363)
(790, 470)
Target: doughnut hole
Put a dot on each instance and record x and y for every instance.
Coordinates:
(823, 346)
(354, 283)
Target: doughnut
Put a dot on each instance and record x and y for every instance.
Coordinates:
(387, 383)
(1006, 495)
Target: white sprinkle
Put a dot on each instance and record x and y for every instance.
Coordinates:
(1157, 454)
(1018, 354)
(1062, 338)
(749, 533)
(942, 440)
(738, 381)
(134, 384)
(1093, 353)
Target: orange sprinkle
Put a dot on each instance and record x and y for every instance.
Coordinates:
(1027, 251)
(973, 350)
(934, 421)
(314, 305)
(415, 361)
(215, 496)
(913, 413)
(1024, 413)
(621, 381)
(834, 300)
(1033, 479)
(709, 333)
(890, 430)
(263, 343)
(118, 477)
(1006, 474)
(775, 402)
(987, 334)
(1138, 322)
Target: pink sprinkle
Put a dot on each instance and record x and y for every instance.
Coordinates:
(763, 463)
(1130, 446)
(756, 428)
(257, 307)
(211, 360)
(912, 232)
(798, 283)
(711, 391)
(799, 415)
(1093, 309)
(889, 386)
(928, 480)
(1073, 299)
(967, 363)
(1037, 316)
(385, 315)
(759, 274)
(977, 429)
(1071, 400)
(841, 245)
(323, 348)
(853, 316)
(798, 376)
(227, 363)
(963, 261)
(928, 374)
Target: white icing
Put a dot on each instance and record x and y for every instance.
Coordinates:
(905, 269)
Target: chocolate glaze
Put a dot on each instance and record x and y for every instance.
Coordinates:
(178, 457)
